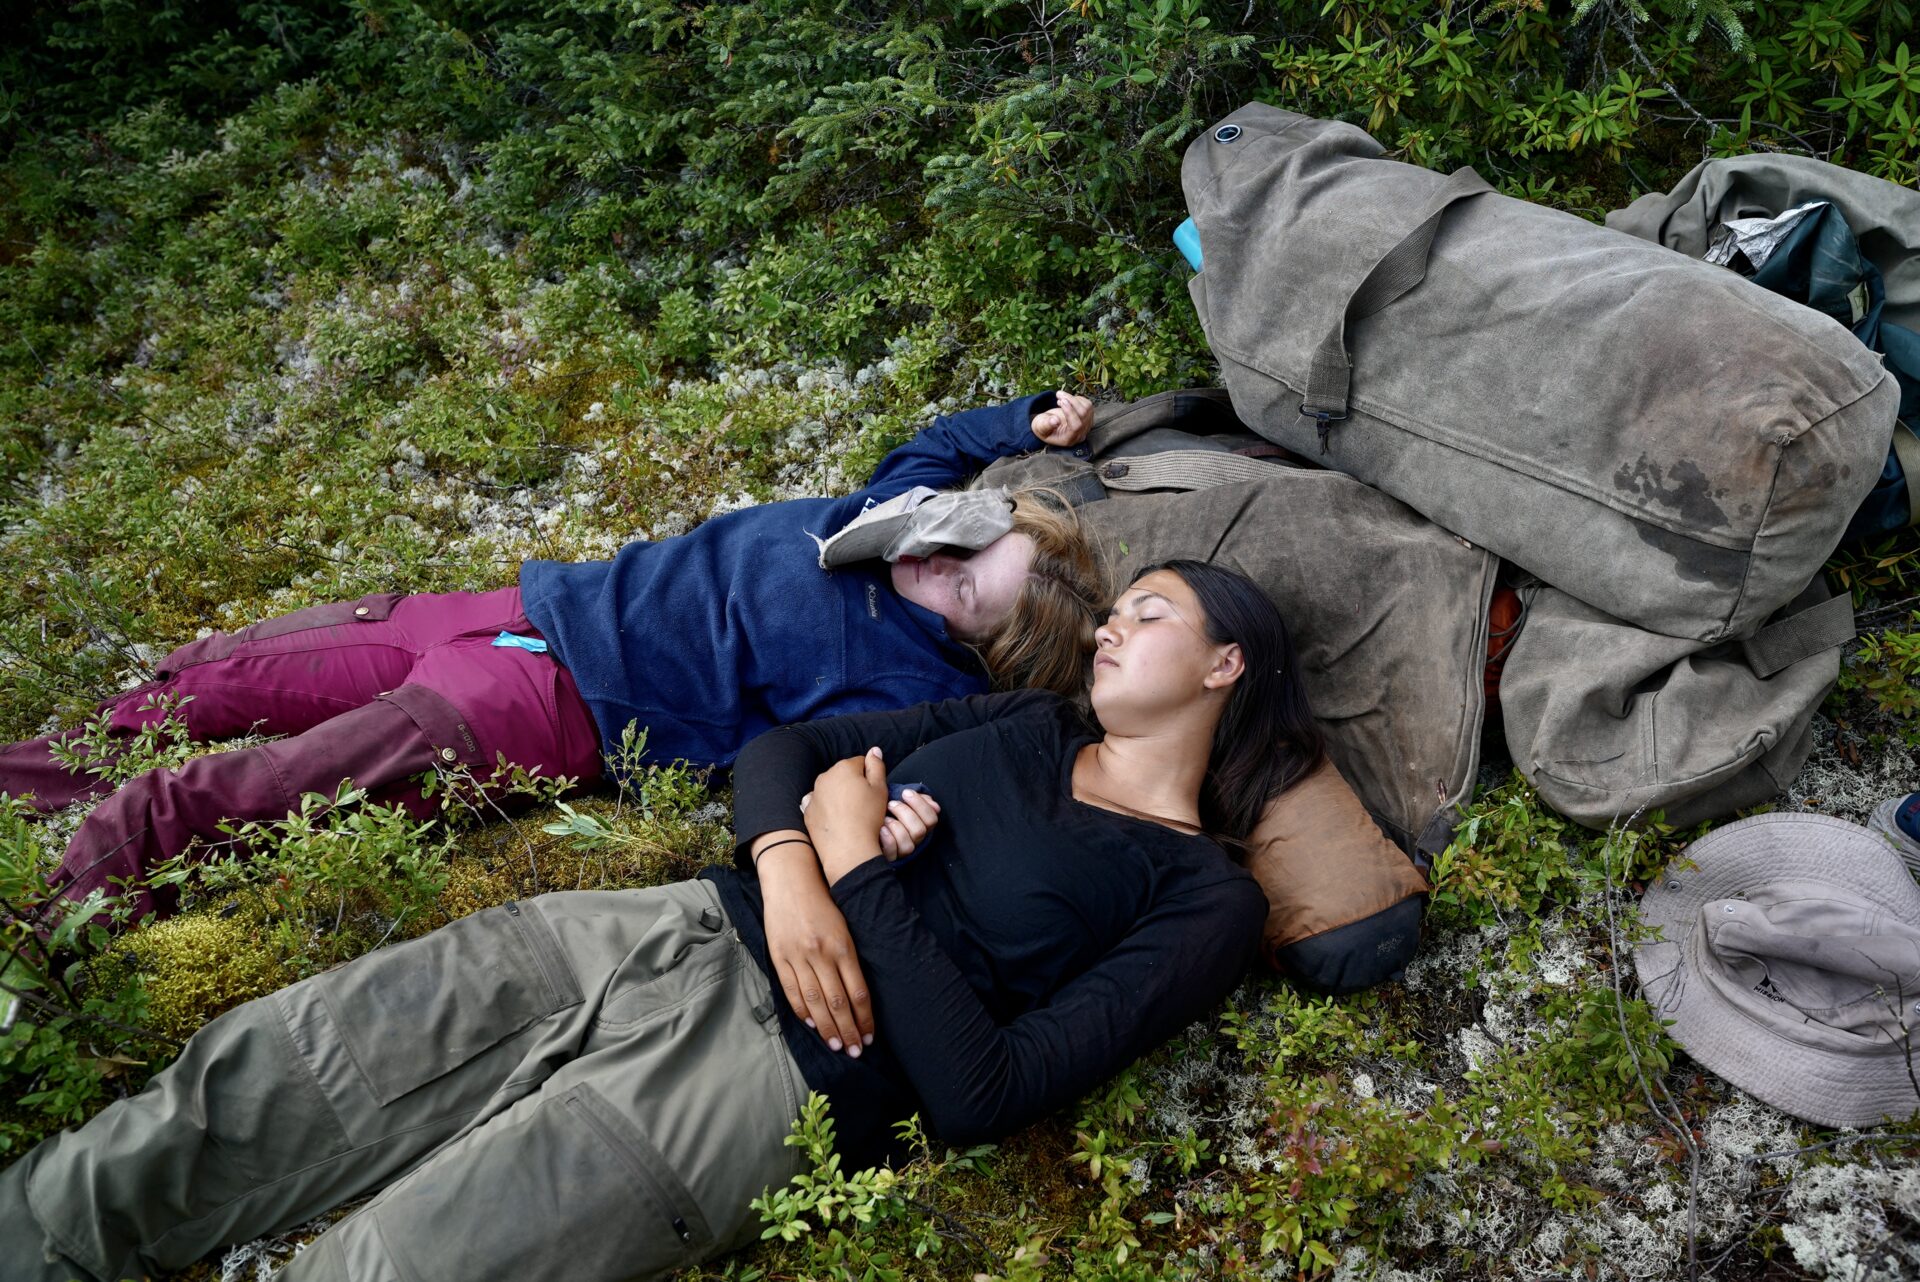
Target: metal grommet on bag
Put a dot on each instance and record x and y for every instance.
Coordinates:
(448, 754)
(1226, 133)
(360, 612)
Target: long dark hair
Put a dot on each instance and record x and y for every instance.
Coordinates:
(1267, 739)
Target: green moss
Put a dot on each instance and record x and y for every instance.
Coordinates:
(199, 964)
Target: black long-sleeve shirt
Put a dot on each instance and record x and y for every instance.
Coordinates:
(1034, 945)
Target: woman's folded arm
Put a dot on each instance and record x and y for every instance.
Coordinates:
(978, 1080)
(777, 769)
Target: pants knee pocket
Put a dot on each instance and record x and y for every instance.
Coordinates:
(415, 1012)
(568, 1180)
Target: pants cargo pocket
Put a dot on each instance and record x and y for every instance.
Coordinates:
(413, 1013)
(648, 1170)
(561, 1185)
(376, 608)
(221, 645)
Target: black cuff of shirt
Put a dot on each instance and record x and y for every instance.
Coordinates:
(861, 876)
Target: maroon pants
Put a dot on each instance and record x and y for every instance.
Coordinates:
(379, 691)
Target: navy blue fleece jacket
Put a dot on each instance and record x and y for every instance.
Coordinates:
(714, 636)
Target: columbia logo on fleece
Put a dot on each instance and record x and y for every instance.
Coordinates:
(873, 600)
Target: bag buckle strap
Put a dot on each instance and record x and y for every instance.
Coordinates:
(1324, 420)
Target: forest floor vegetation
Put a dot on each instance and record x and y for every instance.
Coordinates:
(300, 302)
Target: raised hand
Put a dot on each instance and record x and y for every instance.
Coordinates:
(1067, 422)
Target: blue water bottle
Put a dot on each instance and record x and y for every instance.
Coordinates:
(1186, 238)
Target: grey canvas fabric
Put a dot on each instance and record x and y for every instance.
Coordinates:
(1607, 719)
(591, 1083)
(1610, 721)
(919, 523)
(1785, 951)
(1642, 431)
(1883, 215)
(1389, 611)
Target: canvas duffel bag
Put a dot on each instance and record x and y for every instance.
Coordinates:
(1647, 433)
(1613, 723)
(1836, 239)
(1884, 215)
(1388, 613)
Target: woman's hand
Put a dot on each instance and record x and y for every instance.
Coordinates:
(1067, 422)
(812, 951)
(843, 819)
(907, 824)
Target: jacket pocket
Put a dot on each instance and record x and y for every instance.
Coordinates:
(460, 991)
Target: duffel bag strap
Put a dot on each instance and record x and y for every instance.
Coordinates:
(1785, 642)
(1906, 448)
(1402, 267)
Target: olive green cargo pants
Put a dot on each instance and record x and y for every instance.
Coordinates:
(589, 1085)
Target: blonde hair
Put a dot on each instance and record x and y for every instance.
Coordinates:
(1045, 639)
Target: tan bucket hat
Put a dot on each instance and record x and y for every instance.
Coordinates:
(919, 523)
(1788, 960)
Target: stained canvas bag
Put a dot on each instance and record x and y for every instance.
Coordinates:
(1389, 615)
(1834, 238)
(1646, 433)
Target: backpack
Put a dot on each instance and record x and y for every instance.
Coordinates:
(1646, 433)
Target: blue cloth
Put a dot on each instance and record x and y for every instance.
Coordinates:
(710, 638)
(1820, 264)
(533, 645)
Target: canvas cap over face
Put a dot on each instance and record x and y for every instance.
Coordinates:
(919, 523)
(1789, 963)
